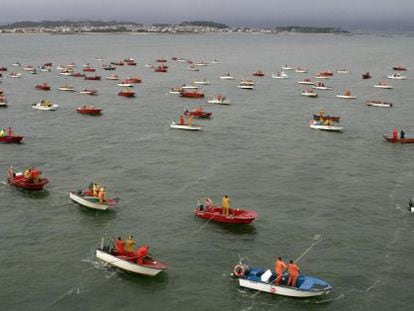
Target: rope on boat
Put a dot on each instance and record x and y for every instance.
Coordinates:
(203, 225)
(318, 239)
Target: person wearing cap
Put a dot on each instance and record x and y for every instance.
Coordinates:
(280, 267)
(142, 254)
(129, 246)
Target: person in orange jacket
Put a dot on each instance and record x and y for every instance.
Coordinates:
(293, 270)
(181, 121)
(119, 246)
(141, 253)
(395, 134)
(280, 267)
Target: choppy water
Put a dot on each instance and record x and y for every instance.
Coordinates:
(350, 188)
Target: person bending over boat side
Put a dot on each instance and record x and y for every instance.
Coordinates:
(280, 267)
(225, 205)
(142, 254)
(129, 246)
(293, 270)
(402, 134)
(120, 246)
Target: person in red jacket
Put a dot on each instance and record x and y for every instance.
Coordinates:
(119, 246)
(280, 267)
(141, 254)
(293, 270)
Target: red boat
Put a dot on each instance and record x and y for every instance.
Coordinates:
(89, 69)
(13, 139)
(133, 80)
(117, 63)
(193, 94)
(3, 69)
(44, 87)
(131, 63)
(89, 109)
(31, 179)
(95, 77)
(399, 140)
(399, 68)
(127, 93)
(161, 69)
(236, 216)
(326, 73)
(198, 113)
(78, 75)
(258, 73)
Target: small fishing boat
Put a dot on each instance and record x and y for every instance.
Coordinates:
(189, 87)
(2, 68)
(202, 82)
(117, 63)
(108, 67)
(125, 84)
(185, 127)
(301, 70)
(89, 109)
(127, 92)
(193, 68)
(161, 60)
(383, 85)
(15, 75)
(215, 213)
(321, 86)
(28, 68)
(324, 126)
(399, 68)
(286, 67)
(45, 105)
(219, 100)
(399, 140)
(246, 84)
(201, 64)
(108, 255)
(366, 76)
(88, 69)
(191, 94)
(321, 77)
(11, 139)
(280, 75)
(134, 79)
(161, 69)
(258, 73)
(226, 77)
(198, 113)
(95, 77)
(131, 63)
(45, 68)
(67, 72)
(263, 280)
(43, 87)
(396, 76)
(378, 103)
(112, 77)
(309, 93)
(343, 70)
(86, 199)
(317, 117)
(3, 102)
(347, 95)
(73, 65)
(30, 179)
(306, 81)
(16, 64)
(88, 92)
(326, 73)
(67, 88)
(176, 90)
(33, 72)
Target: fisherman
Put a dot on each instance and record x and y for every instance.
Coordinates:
(3, 132)
(402, 134)
(280, 267)
(119, 246)
(208, 203)
(28, 173)
(394, 134)
(101, 195)
(181, 121)
(95, 189)
(141, 254)
(9, 131)
(293, 270)
(225, 205)
(190, 121)
(129, 246)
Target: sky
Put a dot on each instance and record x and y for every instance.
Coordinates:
(348, 14)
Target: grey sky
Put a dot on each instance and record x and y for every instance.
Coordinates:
(344, 13)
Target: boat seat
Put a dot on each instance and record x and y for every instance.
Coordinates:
(307, 285)
(255, 274)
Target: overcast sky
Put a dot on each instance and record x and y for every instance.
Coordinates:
(354, 14)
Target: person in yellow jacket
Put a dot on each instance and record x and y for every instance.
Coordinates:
(129, 246)
(225, 205)
(101, 195)
(190, 121)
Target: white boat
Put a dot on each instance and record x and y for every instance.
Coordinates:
(325, 127)
(15, 75)
(246, 86)
(309, 93)
(321, 87)
(46, 69)
(321, 77)
(125, 84)
(176, 90)
(3, 104)
(88, 92)
(67, 88)
(378, 103)
(286, 67)
(192, 68)
(28, 68)
(383, 85)
(396, 76)
(281, 75)
(215, 62)
(185, 127)
(16, 64)
(202, 64)
(264, 281)
(301, 70)
(227, 77)
(202, 82)
(108, 256)
(343, 70)
(346, 95)
(112, 77)
(306, 82)
(66, 72)
(219, 100)
(45, 106)
(189, 87)
(91, 201)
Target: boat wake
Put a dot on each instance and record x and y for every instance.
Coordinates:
(331, 299)
(70, 292)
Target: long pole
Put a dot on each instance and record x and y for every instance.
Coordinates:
(319, 239)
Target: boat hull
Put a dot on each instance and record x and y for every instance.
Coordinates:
(23, 183)
(399, 140)
(90, 202)
(185, 127)
(11, 139)
(236, 216)
(149, 268)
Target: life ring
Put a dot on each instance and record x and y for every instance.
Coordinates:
(239, 270)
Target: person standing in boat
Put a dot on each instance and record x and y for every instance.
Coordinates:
(190, 121)
(120, 246)
(129, 246)
(280, 267)
(142, 254)
(9, 131)
(225, 205)
(101, 195)
(394, 134)
(293, 270)
(208, 203)
(402, 134)
(3, 132)
(181, 121)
